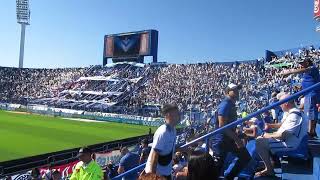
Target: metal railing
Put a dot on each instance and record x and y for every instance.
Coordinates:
(231, 125)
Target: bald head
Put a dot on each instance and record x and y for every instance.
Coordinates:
(288, 105)
(283, 95)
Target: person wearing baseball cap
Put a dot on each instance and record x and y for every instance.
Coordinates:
(310, 77)
(87, 168)
(228, 140)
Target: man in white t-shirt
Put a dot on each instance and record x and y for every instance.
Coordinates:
(163, 145)
(291, 130)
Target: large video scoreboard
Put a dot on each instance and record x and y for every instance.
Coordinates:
(132, 46)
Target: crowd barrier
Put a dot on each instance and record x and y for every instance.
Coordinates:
(69, 113)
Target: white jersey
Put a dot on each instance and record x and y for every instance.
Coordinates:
(295, 127)
(163, 143)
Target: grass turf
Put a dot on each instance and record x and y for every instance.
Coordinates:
(23, 135)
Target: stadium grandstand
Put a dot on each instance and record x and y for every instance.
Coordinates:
(128, 118)
(137, 89)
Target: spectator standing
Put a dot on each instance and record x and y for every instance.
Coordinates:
(145, 151)
(310, 77)
(163, 146)
(87, 168)
(128, 161)
(228, 141)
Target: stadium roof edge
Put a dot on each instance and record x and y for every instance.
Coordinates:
(131, 32)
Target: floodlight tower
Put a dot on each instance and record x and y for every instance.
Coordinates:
(23, 18)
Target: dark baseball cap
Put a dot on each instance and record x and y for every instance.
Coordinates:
(84, 150)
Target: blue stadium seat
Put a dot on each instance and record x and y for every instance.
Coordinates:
(301, 152)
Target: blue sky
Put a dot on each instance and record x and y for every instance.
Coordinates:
(69, 33)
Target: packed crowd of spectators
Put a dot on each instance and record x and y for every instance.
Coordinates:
(197, 87)
(103, 87)
(117, 78)
(18, 84)
(194, 87)
(201, 86)
(293, 58)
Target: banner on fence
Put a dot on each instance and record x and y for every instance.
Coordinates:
(65, 170)
(25, 176)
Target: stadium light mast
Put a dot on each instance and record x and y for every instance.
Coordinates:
(23, 18)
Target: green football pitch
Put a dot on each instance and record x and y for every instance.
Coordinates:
(23, 135)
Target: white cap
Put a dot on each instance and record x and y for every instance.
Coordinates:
(233, 86)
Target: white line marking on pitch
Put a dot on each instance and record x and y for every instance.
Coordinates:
(83, 120)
